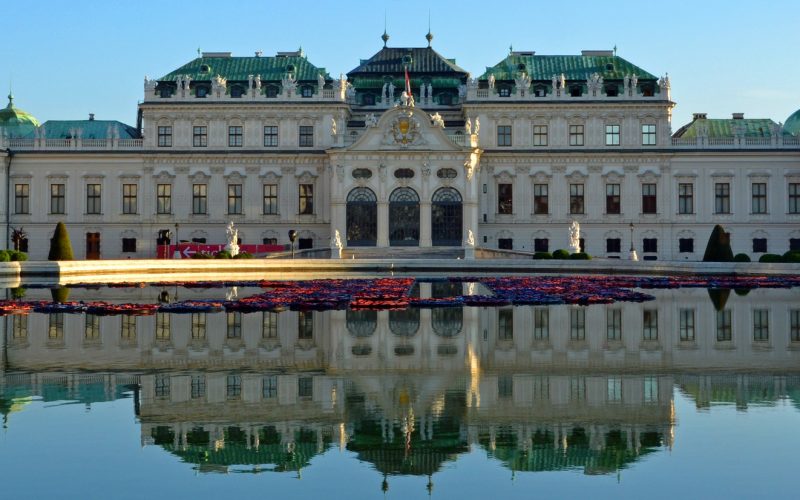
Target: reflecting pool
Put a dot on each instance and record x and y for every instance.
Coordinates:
(695, 394)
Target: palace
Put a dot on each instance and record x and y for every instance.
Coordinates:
(502, 162)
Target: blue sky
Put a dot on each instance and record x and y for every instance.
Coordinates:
(66, 59)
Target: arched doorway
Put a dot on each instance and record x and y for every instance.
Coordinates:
(362, 218)
(446, 217)
(404, 217)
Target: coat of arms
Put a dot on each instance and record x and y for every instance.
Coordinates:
(405, 130)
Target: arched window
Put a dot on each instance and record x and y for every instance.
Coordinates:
(446, 217)
(362, 217)
(447, 321)
(361, 324)
(201, 91)
(404, 217)
(405, 322)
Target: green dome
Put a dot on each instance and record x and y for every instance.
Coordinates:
(792, 124)
(16, 123)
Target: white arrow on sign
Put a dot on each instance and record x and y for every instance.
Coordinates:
(188, 252)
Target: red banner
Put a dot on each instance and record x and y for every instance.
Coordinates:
(186, 250)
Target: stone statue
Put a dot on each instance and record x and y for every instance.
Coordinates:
(288, 83)
(462, 91)
(562, 82)
(337, 244)
(468, 126)
(522, 81)
(218, 85)
(333, 127)
(257, 81)
(554, 83)
(594, 82)
(491, 81)
(149, 85)
(470, 238)
(349, 92)
(320, 83)
(437, 120)
(371, 120)
(634, 82)
(233, 239)
(384, 91)
(407, 100)
(626, 84)
(232, 294)
(250, 83)
(391, 92)
(477, 125)
(575, 237)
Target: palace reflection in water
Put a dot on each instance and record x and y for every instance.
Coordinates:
(539, 388)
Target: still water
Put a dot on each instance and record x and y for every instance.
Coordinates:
(691, 395)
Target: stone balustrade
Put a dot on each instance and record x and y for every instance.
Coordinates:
(71, 144)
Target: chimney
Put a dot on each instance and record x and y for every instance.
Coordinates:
(699, 116)
(738, 116)
(91, 117)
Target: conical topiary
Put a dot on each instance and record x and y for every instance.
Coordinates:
(719, 246)
(60, 247)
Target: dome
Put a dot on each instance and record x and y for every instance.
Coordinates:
(792, 124)
(16, 122)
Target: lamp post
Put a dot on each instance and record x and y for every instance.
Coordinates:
(292, 237)
(177, 254)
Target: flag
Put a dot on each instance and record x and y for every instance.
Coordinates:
(408, 82)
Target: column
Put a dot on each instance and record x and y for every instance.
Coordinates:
(383, 224)
(425, 223)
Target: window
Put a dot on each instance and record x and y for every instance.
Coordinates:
(199, 199)
(724, 326)
(128, 245)
(164, 199)
(650, 245)
(722, 198)
(270, 241)
(303, 243)
(686, 325)
(199, 326)
(305, 387)
(794, 325)
(93, 198)
(200, 136)
(650, 324)
(234, 320)
(650, 389)
(271, 136)
(269, 387)
(759, 190)
(612, 135)
(234, 199)
(794, 198)
(306, 136)
(794, 244)
(55, 326)
(130, 194)
(504, 91)
(58, 197)
(198, 386)
(576, 198)
(576, 135)
(269, 325)
(306, 199)
(504, 135)
(577, 388)
(233, 387)
(613, 245)
(649, 199)
(305, 330)
(505, 386)
(541, 245)
(685, 198)
(235, 136)
(614, 390)
(648, 135)
(759, 245)
(613, 199)
(127, 328)
(505, 243)
(577, 324)
(306, 91)
(540, 200)
(541, 324)
(163, 329)
(686, 245)
(505, 198)
(22, 198)
(614, 324)
(540, 135)
(91, 329)
(761, 325)
(505, 324)
(165, 136)
(161, 385)
(270, 199)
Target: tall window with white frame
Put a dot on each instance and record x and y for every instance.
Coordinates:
(686, 325)
(541, 205)
(234, 320)
(761, 325)
(576, 199)
(613, 199)
(649, 200)
(270, 199)
(164, 199)
(685, 198)
(650, 324)
(235, 136)
(200, 136)
(505, 324)
(794, 325)
(199, 199)
(504, 135)
(541, 324)
(540, 135)
(165, 136)
(305, 325)
(306, 136)
(505, 199)
(22, 196)
(58, 198)
(127, 332)
(576, 135)
(722, 198)
(612, 135)
(271, 136)
(234, 199)
(306, 201)
(130, 198)
(794, 198)
(759, 192)
(269, 325)
(648, 135)
(724, 326)
(93, 200)
(613, 325)
(577, 324)
(198, 327)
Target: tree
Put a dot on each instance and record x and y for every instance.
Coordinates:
(60, 246)
(719, 246)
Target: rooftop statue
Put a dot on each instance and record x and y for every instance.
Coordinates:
(437, 120)
(575, 237)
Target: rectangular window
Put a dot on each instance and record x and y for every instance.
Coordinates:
(161, 386)
(235, 136)
(613, 324)
(269, 387)
(576, 135)
(614, 390)
(685, 198)
(722, 198)
(759, 190)
(234, 199)
(759, 245)
(128, 245)
(648, 135)
(650, 245)
(686, 325)
(686, 245)
(505, 386)
(649, 205)
(541, 245)
(612, 135)
(505, 243)
(650, 390)
(650, 324)
(269, 241)
(233, 386)
(130, 198)
(306, 199)
(794, 244)
(234, 321)
(724, 326)
(541, 324)
(541, 388)
(199, 326)
(761, 325)
(19, 328)
(271, 136)
(269, 325)
(613, 199)
(198, 386)
(505, 324)
(22, 196)
(270, 199)
(165, 136)
(91, 329)
(794, 198)
(199, 199)
(93, 199)
(200, 136)
(794, 325)
(577, 388)
(505, 197)
(306, 136)
(540, 199)
(164, 199)
(305, 330)
(305, 387)
(577, 324)
(504, 135)
(55, 326)
(127, 328)
(540, 135)
(58, 198)
(576, 198)
(613, 245)
(163, 328)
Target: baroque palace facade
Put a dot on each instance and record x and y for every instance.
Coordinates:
(506, 160)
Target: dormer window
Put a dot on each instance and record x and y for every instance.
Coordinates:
(271, 91)
(647, 91)
(290, 68)
(368, 99)
(201, 91)
(575, 91)
(540, 91)
(205, 68)
(165, 92)
(237, 91)
(611, 90)
(306, 91)
(445, 99)
(504, 91)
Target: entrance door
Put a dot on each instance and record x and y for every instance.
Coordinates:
(362, 218)
(446, 217)
(92, 246)
(404, 217)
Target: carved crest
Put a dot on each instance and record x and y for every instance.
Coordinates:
(405, 130)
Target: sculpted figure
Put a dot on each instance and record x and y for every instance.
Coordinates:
(468, 126)
(371, 120)
(477, 125)
(491, 81)
(437, 120)
(320, 83)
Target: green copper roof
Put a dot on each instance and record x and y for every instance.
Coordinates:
(392, 61)
(573, 67)
(792, 125)
(752, 127)
(92, 129)
(15, 122)
(239, 68)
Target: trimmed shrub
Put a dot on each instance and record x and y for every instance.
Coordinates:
(719, 246)
(719, 297)
(771, 258)
(542, 255)
(792, 256)
(17, 256)
(561, 254)
(580, 256)
(222, 254)
(202, 255)
(59, 294)
(60, 246)
(18, 293)
(741, 292)
(243, 255)
(741, 257)
(4, 256)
